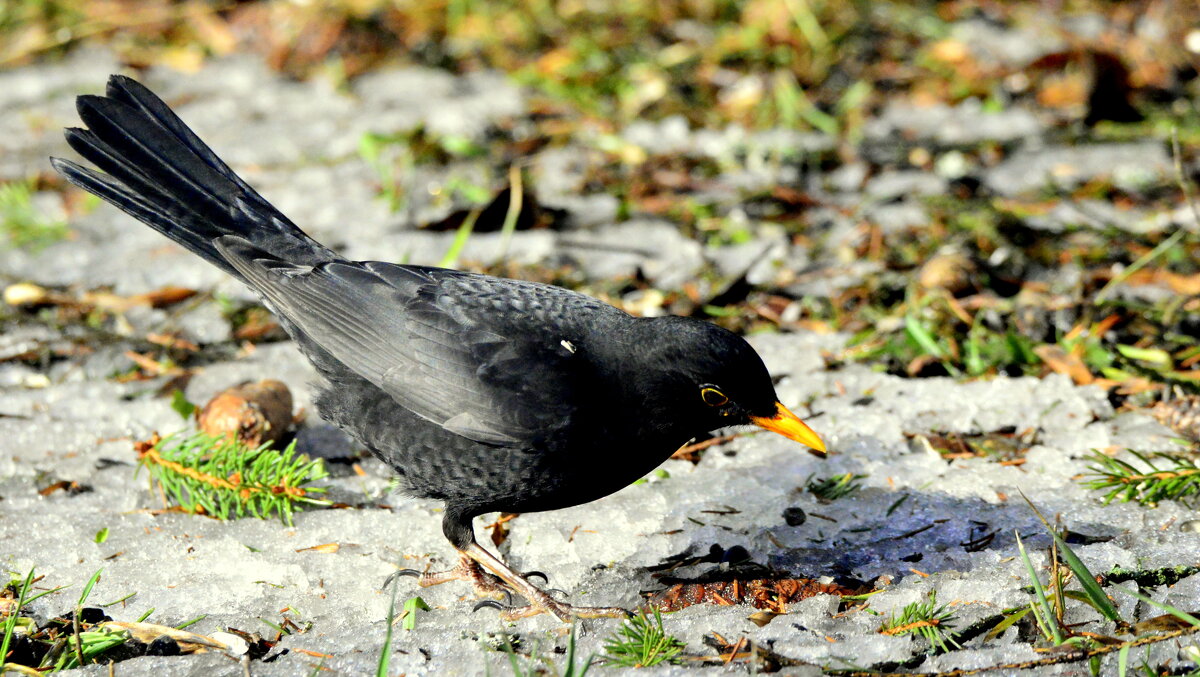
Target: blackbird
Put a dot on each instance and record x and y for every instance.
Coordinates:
(486, 393)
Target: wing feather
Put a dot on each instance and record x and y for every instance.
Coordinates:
(462, 351)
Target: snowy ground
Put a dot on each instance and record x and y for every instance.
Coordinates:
(296, 142)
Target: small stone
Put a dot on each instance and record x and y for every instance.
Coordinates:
(163, 646)
(761, 618)
(794, 516)
(234, 645)
(24, 294)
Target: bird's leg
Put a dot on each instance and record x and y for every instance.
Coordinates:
(539, 600)
(485, 584)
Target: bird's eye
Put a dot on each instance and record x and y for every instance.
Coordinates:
(713, 397)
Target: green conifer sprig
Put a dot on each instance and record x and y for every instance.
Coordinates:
(223, 477)
(926, 619)
(1173, 477)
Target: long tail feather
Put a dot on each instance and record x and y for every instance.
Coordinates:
(158, 171)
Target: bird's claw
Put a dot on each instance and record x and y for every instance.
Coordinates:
(397, 574)
(536, 574)
(491, 604)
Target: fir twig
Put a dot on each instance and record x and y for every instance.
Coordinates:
(926, 619)
(222, 477)
(1173, 477)
(832, 488)
(641, 642)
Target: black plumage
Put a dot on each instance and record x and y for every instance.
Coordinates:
(486, 393)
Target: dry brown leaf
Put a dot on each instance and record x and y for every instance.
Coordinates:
(326, 548)
(761, 593)
(1164, 623)
(1064, 91)
(1188, 285)
(761, 618)
(950, 51)
(498, 530)
(189, 642)
(1064, 363)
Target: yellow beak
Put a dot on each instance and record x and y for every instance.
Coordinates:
(790, 426)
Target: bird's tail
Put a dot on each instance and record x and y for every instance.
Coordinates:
(161, 173)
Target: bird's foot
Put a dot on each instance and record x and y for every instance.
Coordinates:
(539, 600)
(486, 585)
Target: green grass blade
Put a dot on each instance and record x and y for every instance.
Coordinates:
(11, 625)
(1090, 587)
(1007, 623)
(1137, 265)
(87, 589)
(193, 621)
(516, 198)
(1181, 615)
(1086, 579)
(43, 594)
(1047, 614)
(463, 234)
(385, 653)
(411, 606)
(921, 335)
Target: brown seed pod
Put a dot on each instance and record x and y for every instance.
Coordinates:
(1181, 414)
(951, 271)
(253, 413)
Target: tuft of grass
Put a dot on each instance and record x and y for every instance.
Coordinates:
(58, 646)
(1041, 609)
(10, 623)
(22, 224)
(540, 665)
(1057, 631)
(1161, 477)
(833, 488)
(642, 642)
(927, 619)
(389, 158)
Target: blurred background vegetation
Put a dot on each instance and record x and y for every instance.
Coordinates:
(971, 293)
(761, 63)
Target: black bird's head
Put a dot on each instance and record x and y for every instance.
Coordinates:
(708, 377)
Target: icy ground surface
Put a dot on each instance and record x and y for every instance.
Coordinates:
(908, 524)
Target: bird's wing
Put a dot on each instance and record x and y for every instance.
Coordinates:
(462, 351)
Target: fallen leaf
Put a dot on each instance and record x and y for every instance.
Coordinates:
(1062, 362)
(761, 593)
(327, 548)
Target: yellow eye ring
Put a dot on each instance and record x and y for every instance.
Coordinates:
(713, 397)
